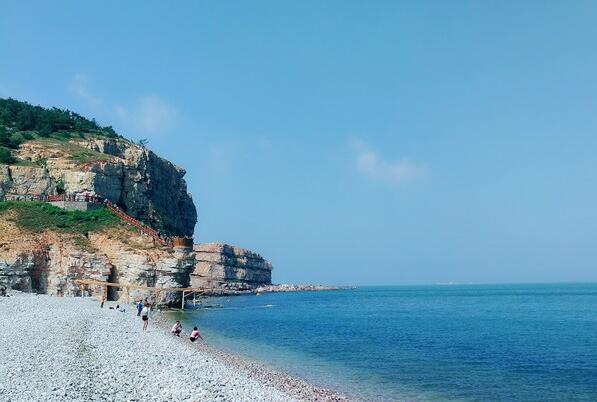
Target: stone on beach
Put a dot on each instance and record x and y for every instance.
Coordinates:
(57, 349)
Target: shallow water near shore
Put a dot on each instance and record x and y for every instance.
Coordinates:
(490, 342)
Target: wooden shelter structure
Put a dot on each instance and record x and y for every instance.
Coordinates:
(127, 287)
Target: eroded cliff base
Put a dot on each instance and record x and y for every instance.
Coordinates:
(45, 249)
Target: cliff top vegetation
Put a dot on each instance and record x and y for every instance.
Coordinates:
(21, 122)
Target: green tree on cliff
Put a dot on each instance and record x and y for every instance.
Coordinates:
(22, 116)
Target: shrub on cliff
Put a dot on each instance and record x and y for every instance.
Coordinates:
(6, 156)
(39, 216)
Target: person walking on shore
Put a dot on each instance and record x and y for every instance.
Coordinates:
(139, 308)
(145, 315)
(195, 335)
(177, 328)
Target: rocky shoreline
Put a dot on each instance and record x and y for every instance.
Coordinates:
(67, 348)
(232, 289)
(298, 288)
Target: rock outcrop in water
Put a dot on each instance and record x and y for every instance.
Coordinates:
(144, 185)
(228, 267)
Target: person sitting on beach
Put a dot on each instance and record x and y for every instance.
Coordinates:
(139, 308)
(145, 315)
(195, 335)
(3, 291)
(177, 328)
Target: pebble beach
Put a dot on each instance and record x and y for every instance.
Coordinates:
(57, 349)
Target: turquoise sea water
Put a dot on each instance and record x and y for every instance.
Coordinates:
(470, 343)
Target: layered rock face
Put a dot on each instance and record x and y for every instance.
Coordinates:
(50, 262)
(225, 266)
(144, 185)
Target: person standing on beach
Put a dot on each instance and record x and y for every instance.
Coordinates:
(145, 315)
(195, 335)
(139, 308)
(102, 301)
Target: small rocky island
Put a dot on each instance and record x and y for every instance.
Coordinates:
(79, 202)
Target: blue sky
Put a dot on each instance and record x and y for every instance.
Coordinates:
(349, 142)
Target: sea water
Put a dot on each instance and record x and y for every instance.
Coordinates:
(469, 343)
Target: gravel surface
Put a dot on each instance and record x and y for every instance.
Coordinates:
(57, 349)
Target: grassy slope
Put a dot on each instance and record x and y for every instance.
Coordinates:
(38, 217)
(76, 153)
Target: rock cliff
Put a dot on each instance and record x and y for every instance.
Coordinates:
(144, 185)
(50, 261)
(225, 266)
(45, 152)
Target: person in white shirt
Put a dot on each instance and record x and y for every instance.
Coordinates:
(145, 315)
(177, 328)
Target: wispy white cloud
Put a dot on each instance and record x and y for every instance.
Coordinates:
(222, 156)
(370, 163)
(148, 114)
(154, 114)
(145, 115)
(79, 86)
